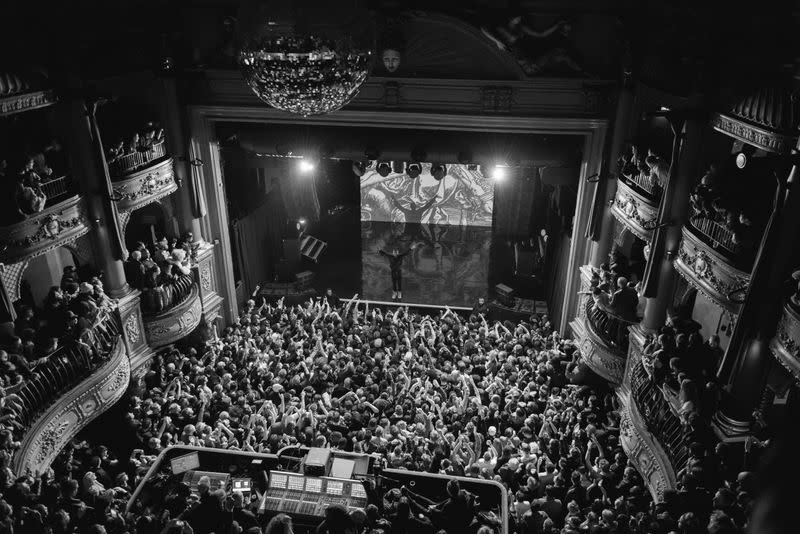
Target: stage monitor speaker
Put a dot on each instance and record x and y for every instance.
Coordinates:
(303, 280)
(505, 294)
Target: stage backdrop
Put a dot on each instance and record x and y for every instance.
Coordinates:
(463, 197)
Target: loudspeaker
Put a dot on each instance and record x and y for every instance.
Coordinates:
(505, 294)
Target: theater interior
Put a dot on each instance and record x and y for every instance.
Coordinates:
(564, 297)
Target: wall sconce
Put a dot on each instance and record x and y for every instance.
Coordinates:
(671, 254)
(97, 222)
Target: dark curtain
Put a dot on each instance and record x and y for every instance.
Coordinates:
(514, 205)
(258, 242)
(300, 197)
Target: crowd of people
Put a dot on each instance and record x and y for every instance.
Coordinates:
(645, 167)
(141, 142)
(710, 202)
(25, 174)
(460, 396)
(66, 313)
(157, 272)
(613, 291)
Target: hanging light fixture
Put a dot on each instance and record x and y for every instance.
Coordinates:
(305, 57)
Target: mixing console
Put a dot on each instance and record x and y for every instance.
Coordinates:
(292, 493)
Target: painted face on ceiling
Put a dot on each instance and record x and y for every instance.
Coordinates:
(391, 59)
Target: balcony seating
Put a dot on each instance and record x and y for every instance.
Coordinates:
(125, 164)
(611, 328)
(166, 296)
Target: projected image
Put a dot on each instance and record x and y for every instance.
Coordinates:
(445, 265)
(463, 197)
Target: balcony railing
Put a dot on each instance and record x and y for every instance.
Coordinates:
(717, 233)
(659, 416)
(167, 296)
(649, 187)
(610, 327)
(57, 189)
(66, 367)
(128, 163)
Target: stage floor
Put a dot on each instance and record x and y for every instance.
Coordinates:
(448, 266)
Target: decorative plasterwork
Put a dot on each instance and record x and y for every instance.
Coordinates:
(753, 135)
(56, 226)
(634, 211)
(26, 101)
(709, 272)
(598, 356)
(644, 451)
(174, 324)
(145, 186)
(73, 411)
(786, 343)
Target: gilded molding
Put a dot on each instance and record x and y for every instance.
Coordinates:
(26, 101)
(72, 412)
(785, 345)
(54, 227)
(709, 272)
(145, 186)
(174, 324)
(634, 211)
(753, 135)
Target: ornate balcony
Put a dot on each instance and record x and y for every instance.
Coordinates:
(144, 186)
(599, 335)
(710, 271)
(22, 99)
(647, 422)
(78, 382)
(57, 225)
(177, 313)
(786, 343)
(137, 161)
(634, 207)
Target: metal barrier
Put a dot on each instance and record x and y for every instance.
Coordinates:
(57, 189)
(67, 366)
(661, 421)
(128, 163)
(717, 233)
(167, 296)
(650, 188)
(609, 327)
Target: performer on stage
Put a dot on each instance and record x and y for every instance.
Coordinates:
(396, 266)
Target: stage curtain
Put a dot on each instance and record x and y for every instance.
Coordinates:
(514, 201)
(258, 241)
(300, 197)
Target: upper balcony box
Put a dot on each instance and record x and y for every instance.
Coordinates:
(142, 177)
(56, 225)
(710, 269)
(636, 210)
(19, 93)
(786, 343)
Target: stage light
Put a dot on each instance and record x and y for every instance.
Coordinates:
(305, 166)
(438, 171)
(384, 169)
(359, 168)
(414, 169)
(301, 221)
(498, 173)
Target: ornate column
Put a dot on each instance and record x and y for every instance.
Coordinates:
(190, 201)
(659, 276)
(746, 363)
(89, 156)
(601, 229)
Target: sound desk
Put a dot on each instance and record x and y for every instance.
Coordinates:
(296, 494)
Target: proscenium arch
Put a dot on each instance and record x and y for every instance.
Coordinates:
(205, 147)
